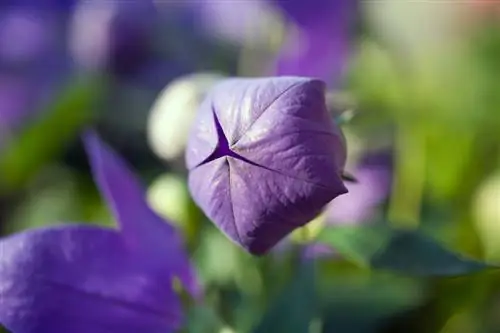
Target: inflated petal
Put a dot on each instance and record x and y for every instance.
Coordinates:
(142, 228)
(321, 45)
(264, 158)
(82, 279)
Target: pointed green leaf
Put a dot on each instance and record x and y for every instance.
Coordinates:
(404, 251)
(360, 302)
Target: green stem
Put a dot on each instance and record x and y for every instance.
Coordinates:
(409, 175)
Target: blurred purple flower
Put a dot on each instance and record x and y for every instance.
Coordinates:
(116, 36)
(31, 32)
(81, 278)
(32, 60)
(374, 181)
(320, 46)
(264, 158)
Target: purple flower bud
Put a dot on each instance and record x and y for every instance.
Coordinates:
(264, 158)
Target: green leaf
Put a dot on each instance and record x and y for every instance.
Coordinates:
(42, 141)
(361, 302)
(404, 251)
(294, 310)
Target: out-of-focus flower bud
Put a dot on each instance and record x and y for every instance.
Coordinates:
(172, 190)
(174, 111)
(487, 214)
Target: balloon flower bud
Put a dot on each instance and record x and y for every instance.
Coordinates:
(264, 158)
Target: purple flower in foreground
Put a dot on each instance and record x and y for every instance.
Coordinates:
(320, 45)
(81, 278)
(264, 158)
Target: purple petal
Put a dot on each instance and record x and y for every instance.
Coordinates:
(142, 228)
(264, 158)
(322, 45)
(82, 279)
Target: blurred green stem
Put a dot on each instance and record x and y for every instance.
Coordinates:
(409, 175)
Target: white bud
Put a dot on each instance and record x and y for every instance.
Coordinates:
(169, 197)
(487, 214)
(173, 113)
